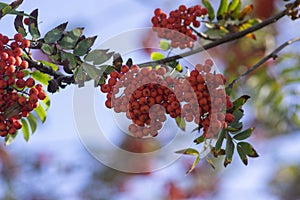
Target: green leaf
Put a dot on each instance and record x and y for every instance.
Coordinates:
(180, 123)
(179, 68)
(190, 151)
(69, 40)
(199, 139)
(238, 103)
(98, 56)
(157, 56)
(242, 155)
(164, 45)
(69, 60)
(25, 129)
(48, 49)
(236, 11)
(47, 102)
(32, 122)
(40, 111)
(248, 149)
(233, 5)
(220, 140)
(244, 134)
(91, 70)
(84, 46)
(18, 23)
(49, 64)
(79, 76)
(222, 10)
(210, 9)
(55, 34)
(10, 138)
(41, 77)
(210, 162)
(10, 9)
(229, 150)
(33, 25)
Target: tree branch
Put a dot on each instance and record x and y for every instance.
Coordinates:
(273, 55)
(225, 39)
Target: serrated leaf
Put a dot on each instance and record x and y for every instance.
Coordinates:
(48, 49)
(69, 40)
(246, 11)
(190, 151)
(32, 122)
(25, 129)
(84, 46)
(164, 45)
(244, 134)
(55, 34)
(210, 162)
(41, 112)
(199, 139)
(157, 56)
(248, 149)
(180, 123)
(242, 155)
(220, 140)
(210, 9)
(49, 64)
(18, 23)
(228, 150)
(10, 138)
(41, 77)
(33, 25)
(98, 56)
(222, 10)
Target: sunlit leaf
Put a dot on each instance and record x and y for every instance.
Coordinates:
(164, 45)
(210, 9)
(190, 151)
(25, 129)
(49, 64)
(199, 139)
(10, 138)
(157, 56)
(40, 111)
(32, 122)
(41, 77)
(222, 10)
(180, 123)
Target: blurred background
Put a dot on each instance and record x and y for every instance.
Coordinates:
(55, 165)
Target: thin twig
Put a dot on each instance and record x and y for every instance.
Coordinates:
(273, 55)
(13, 6)
(225, 39)
(203, 35)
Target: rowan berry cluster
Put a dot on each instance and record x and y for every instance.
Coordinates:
(18, 95)
(176, 26)
(147, 95)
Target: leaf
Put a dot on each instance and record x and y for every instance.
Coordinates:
(18, 23)
(220, 140)
(48, 49)
(242, 155)
(248, 149)
(33, 25)
(84, 46)
(79, 76)
(47, 102)
(179, 68)
(69, 40)
(49, 64)
(32, 122)
(40, 111)
(236, 11)
(222, 10)
(190, 151)
(55, 34)
(210, 9)
(91, 70)
(246, 11)
(244, 134)
(98, 56)
(180, 123)
(10, 138)
(164, 45)
(233, 5)
(68, 60)
(9, 9)
(199, 139)
(238, 103)
(25, 129)
(157, 56)
(229, 150)
(41, 77)
(210, 162)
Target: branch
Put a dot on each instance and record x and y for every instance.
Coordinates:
(10, 7)
(273, 55)
(225, 39)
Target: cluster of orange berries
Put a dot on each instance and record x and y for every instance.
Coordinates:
(176, 26)
(147, 95)
(18, 96)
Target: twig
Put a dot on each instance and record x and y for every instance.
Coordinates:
(273, 55)
(225, 39)
(203, 35)
(12, 6)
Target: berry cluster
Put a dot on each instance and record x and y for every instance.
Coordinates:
(18, 95)
(147, 95)
(176, 26)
